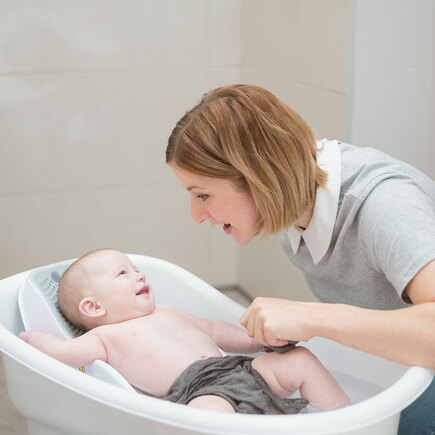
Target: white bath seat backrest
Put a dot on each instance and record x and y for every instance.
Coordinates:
(40, 311)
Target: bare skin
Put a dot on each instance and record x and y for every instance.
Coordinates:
(175, 332)
(163, 341)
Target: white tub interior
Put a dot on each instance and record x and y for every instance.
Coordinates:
(58, 399)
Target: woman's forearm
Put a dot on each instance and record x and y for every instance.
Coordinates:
(405, 335)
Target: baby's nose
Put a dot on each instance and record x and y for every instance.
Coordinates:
(141, 276)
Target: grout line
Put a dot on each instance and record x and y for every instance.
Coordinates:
(291, 80)
(115, 70)
(89, 189)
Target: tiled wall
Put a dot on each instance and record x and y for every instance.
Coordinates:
(89, 93)
(394, 80)
(298, 50)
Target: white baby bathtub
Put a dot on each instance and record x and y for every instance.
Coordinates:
(57, 399)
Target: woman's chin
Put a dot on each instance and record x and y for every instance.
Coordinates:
(242, 239)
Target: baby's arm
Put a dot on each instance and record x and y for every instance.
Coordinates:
(232, 338)
(229, 337)
(77, 352)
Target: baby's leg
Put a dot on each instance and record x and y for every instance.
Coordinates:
(211, 403)
(299, 368)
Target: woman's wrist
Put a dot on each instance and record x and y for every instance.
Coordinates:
(351, 326)
(327, 320)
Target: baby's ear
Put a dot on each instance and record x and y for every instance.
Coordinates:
(90, 307)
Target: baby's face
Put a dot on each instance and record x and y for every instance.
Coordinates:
(119, 287)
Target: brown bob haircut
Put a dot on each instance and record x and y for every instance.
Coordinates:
(245, 134)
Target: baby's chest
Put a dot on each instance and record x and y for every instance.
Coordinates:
(148, 335)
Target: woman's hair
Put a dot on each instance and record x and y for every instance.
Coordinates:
(247, 135)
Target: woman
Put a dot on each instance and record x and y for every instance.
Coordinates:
(360, 225)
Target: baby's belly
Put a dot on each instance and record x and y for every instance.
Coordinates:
(154, 372)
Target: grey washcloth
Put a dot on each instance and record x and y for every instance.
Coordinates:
(234, 379)
(281, 349)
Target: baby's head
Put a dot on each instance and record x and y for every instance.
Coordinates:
(103, 287)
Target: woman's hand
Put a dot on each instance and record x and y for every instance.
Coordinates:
(274, 322)
(406, 335)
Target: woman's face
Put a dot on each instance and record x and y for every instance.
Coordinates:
(222, 203)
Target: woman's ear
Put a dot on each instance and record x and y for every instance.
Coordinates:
(90, 307)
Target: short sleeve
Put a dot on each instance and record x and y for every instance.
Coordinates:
(396, 229)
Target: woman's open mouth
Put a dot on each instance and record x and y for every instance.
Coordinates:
(227, 228)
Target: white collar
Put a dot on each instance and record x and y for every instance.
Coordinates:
(318, 234)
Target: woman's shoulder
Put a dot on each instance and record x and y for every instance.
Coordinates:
(364, 169)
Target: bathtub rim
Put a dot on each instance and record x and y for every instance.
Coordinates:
(379, 407)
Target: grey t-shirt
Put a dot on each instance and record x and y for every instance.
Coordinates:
(384, 233)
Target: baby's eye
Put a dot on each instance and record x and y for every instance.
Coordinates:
(123, 272)
(202, 196)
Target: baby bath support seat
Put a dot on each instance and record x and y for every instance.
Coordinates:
(40, 311)
(57, 399)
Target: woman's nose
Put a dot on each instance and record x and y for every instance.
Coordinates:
(199, 212)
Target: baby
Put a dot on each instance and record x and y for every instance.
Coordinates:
(175, 355)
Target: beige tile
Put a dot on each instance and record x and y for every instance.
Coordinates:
(59, 36)
(326, 37)
(223, 252)
(393, 101)
(11, 421)
(79, 131)
(225, 33)
(154, 220)
(323, 110)
(225, 76)
(305, 41)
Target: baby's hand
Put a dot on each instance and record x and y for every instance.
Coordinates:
(38, 339)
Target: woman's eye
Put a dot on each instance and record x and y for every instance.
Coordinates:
(202, 196)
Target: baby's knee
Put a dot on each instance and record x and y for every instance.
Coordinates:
(300, 355)
(301, 360)
(211, 403)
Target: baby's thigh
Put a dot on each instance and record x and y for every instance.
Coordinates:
(284, 373)
(212, 403)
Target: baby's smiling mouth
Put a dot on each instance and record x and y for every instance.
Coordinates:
(144, 290)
